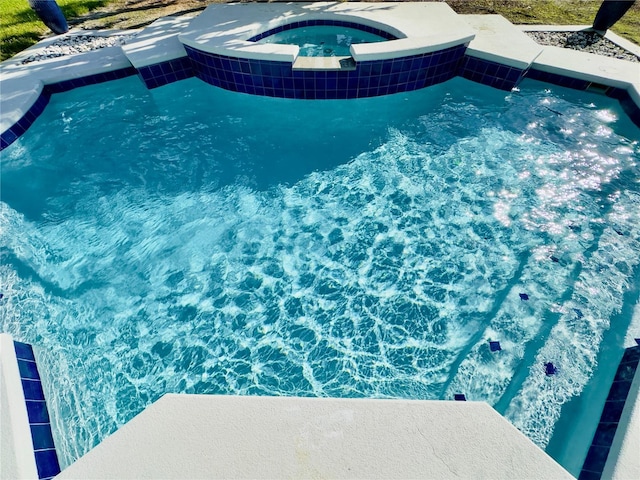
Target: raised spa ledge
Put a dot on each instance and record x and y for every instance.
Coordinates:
(225, 29)
(405, 47)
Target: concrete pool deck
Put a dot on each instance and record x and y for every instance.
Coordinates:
(210, 436)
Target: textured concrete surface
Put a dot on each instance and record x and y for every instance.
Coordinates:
(206, 436)
(498, 40)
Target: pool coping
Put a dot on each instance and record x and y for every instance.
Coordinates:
(18, 459)
(226, 436)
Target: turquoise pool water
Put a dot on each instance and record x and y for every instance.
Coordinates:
(191, 239)
(323, 40)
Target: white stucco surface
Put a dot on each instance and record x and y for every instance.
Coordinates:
(588, 66)
(498, 40)
(421, 27)
(206, 436)
(17, 460)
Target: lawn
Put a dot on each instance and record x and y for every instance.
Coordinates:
(20, 27)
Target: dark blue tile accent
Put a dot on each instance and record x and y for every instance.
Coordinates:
(66, 85)
(47, 463)
(37, 411)
(586, 475)
(557, 79)
(379, 77)
(490, 73)
(459, 397)
(42, 437)
(604, 434)
(596, 458)
(32, 389)
(163, 73)
(11, 135)
(24, 351)
(619, 391)
(28, 369)
(39, 423)
(610, 417)
(612, 411)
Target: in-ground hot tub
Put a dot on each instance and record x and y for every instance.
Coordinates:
(425, 44)
(321, 40)
(226, 48)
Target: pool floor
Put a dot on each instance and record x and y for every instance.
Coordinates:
(363, 248)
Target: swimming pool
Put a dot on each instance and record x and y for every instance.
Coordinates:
(334, 251)
(323, 40)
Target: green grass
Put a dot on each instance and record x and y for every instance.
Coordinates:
(552, 12)
(20, 27)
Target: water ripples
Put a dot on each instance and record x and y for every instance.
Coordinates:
(384, 274)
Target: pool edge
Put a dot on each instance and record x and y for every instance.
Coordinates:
(18, 459)
(491, 58)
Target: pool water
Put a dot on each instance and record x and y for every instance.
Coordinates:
(361, 248)
(323, 40)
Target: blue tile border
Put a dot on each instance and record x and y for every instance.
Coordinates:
(596, 458)
(557, 79)
(66, 85)
(39, 422)
(159, 74)
(13, 133)
(363, 79)
(323, 22)
(278, 79)
(626, 102)
(494, 74)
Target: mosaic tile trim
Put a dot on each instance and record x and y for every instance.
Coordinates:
(603, 438)
(159, 74)
(44, 448)
(627, 103)
(557, 79)
(66, 85)
(365, 79)
(13, 133)
(320, 22)
(490, 73)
